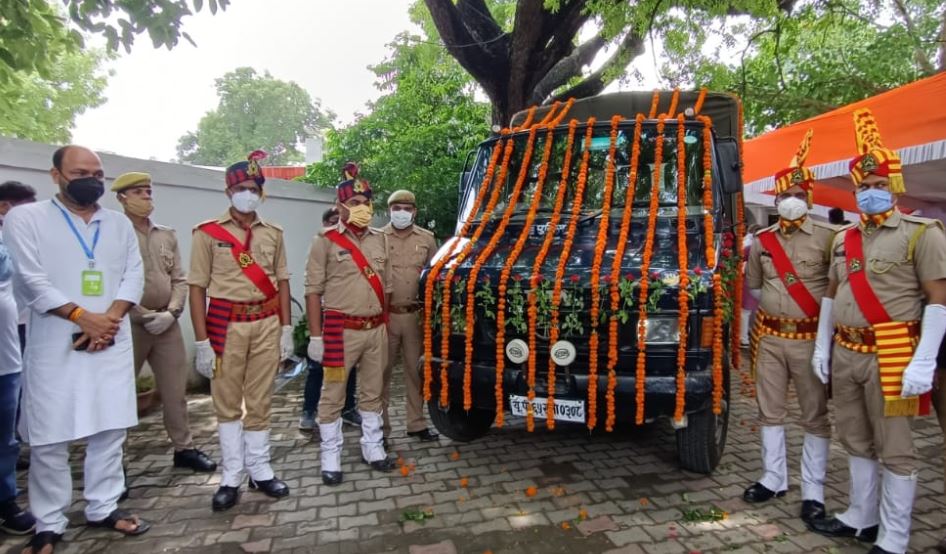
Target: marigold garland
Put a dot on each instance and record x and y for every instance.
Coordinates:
(448, 280)
(683, 297)
(735, 347)
(484, 255)
(654, 100)
(674, 100)
(641, 374)
(507, 269)
(438, 267)
(562, 262)
(698, 107)
(601, 244)
(717, 343)
(709, 238)
(630, 193)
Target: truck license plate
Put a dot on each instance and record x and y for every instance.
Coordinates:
(565, 410)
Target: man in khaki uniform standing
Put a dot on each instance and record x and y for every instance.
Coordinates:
(347, 279)
(410, 248)
(155, 332)
(239, 261)
(789, 263)
(883, 270)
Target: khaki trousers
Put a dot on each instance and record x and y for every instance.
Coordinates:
(780, 360)
(165, 354)
(862, 427)
(404, 334)
(368, 349)
(247, 373)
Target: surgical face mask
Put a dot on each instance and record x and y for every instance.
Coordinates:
(792, 208)
(85, 191)
(874, 201)
(138, 206)
(245, 201)
(401, 219)
(359, 216)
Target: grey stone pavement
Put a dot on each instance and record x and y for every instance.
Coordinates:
(511, 491)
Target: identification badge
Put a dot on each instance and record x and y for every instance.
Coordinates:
(92, 283)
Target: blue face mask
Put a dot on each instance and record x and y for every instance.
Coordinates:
(874, 201)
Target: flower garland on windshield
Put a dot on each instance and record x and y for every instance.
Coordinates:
(537, 268)
(641, 374)
(601, 244)
(629, 195)
(485, 255)
(682, 294)
(709, 238)
(563, 261)
(438, 266)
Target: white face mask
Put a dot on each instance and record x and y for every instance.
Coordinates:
(401, 219)
(245, 201)
(792, 208)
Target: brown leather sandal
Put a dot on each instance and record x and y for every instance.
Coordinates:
(111, 522)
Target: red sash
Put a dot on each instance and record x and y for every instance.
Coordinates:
(894, 346)
(243, 257)
(362, 263)
(786, 272)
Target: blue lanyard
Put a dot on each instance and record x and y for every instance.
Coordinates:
(89, 252)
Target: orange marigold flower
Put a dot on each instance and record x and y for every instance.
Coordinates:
(464, 482)
(405, 470)
(644, 501)
(566, 526)
(531, 491)
(582, 514)
(455, 455)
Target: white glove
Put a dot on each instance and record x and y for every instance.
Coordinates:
(158, 322)
(205, 359)
(316, 349)
(918, 376)
(821, 359)
(285, 343)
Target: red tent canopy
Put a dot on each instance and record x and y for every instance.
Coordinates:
(912, 120)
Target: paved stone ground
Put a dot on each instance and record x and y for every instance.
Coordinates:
(620, 493)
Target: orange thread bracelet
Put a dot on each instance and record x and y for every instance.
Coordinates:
(75, 314)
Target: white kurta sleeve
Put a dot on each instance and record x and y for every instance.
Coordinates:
(132, 283)
(20, 233)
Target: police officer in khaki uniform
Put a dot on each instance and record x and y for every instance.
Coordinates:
(239, 262)
(884, 268)
(155, 331)
(789, 263)
(410, 248)
(347, 279)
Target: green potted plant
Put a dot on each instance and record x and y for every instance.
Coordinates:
(147, 394)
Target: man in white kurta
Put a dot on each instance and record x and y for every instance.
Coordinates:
(78, 270)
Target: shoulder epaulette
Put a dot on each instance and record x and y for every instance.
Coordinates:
(202, 223)
(271, 225)
(423, 231)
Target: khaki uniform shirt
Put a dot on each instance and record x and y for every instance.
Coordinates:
(332, 273)
(408, 255)
(213, 266)
(894, 278)
(809, 249)
(165, 284)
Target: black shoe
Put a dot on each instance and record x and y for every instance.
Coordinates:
(384, 443)
(834, 527)
(759, 493)
(332, 478)
(194, 459)
(225, 498)
(15, 520)
(351, 417)
(425, 435)
(811, 510)
(878, 550)
(22, 463)
(274, 487)
(385, 466)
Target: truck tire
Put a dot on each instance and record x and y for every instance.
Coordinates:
(458, 424)
(700, 444)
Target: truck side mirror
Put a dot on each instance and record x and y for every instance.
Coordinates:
(727, 154)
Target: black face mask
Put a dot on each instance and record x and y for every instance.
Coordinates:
(85, 190)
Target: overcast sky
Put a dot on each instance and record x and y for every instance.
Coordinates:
(326, 46)
(155, 96)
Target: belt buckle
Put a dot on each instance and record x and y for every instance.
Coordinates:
(855, 336)
(367, 324)
(788, 327)
(252, 309)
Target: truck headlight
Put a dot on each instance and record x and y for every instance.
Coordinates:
(662, 330)
(517, 350)
(562, 353)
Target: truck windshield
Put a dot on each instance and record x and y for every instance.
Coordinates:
(597, 169)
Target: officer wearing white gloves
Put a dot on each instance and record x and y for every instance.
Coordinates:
(884, 269)
(155, 332)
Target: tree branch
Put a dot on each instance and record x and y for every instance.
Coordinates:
(631, 47)
(559, 37)
(527, 30)
(918, 53)
(567, 68)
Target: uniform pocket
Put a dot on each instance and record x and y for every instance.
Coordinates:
(885, 261)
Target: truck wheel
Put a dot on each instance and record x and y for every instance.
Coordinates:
(700, 444)
(458, 424)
